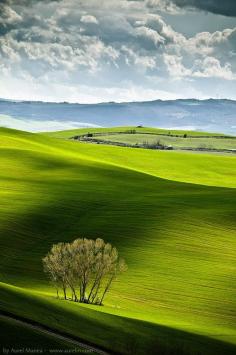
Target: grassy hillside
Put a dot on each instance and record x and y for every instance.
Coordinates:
(74, 132)
(171, 215)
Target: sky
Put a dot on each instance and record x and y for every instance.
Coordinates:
(117, 50)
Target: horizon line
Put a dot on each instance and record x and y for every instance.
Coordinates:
(112, 102)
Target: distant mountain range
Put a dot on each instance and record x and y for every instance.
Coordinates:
(206, 115)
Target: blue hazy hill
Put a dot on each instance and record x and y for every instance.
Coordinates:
(208, 115)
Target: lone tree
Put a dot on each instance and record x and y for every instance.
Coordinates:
(86, 267)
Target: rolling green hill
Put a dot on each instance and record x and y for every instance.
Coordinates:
(171, 215)
(72, 132)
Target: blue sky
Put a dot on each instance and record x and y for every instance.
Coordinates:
(117, 50)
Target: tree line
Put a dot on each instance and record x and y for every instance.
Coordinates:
(86, 267)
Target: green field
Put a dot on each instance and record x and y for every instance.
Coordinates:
(151, 136)
(170, 214)
(175, 142)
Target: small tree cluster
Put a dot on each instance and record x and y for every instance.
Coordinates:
(153, 145)
(86, 267)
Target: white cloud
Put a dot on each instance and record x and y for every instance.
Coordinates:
(175, 66)
(211, 67)
(89, 19)
(132, 58)
(8, 16)
(206, 43)
(148, 33)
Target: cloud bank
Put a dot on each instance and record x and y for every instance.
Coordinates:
(70, 50)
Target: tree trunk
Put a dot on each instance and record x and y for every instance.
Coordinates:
(80, 291)
(96, 291)
(64, 291)
(91, 291)
(97, 280)
(106, 289)
(74, 293)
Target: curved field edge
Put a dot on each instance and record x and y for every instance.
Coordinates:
(99, 328)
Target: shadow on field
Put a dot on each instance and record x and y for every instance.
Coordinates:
(96, 200)
(116, 204)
